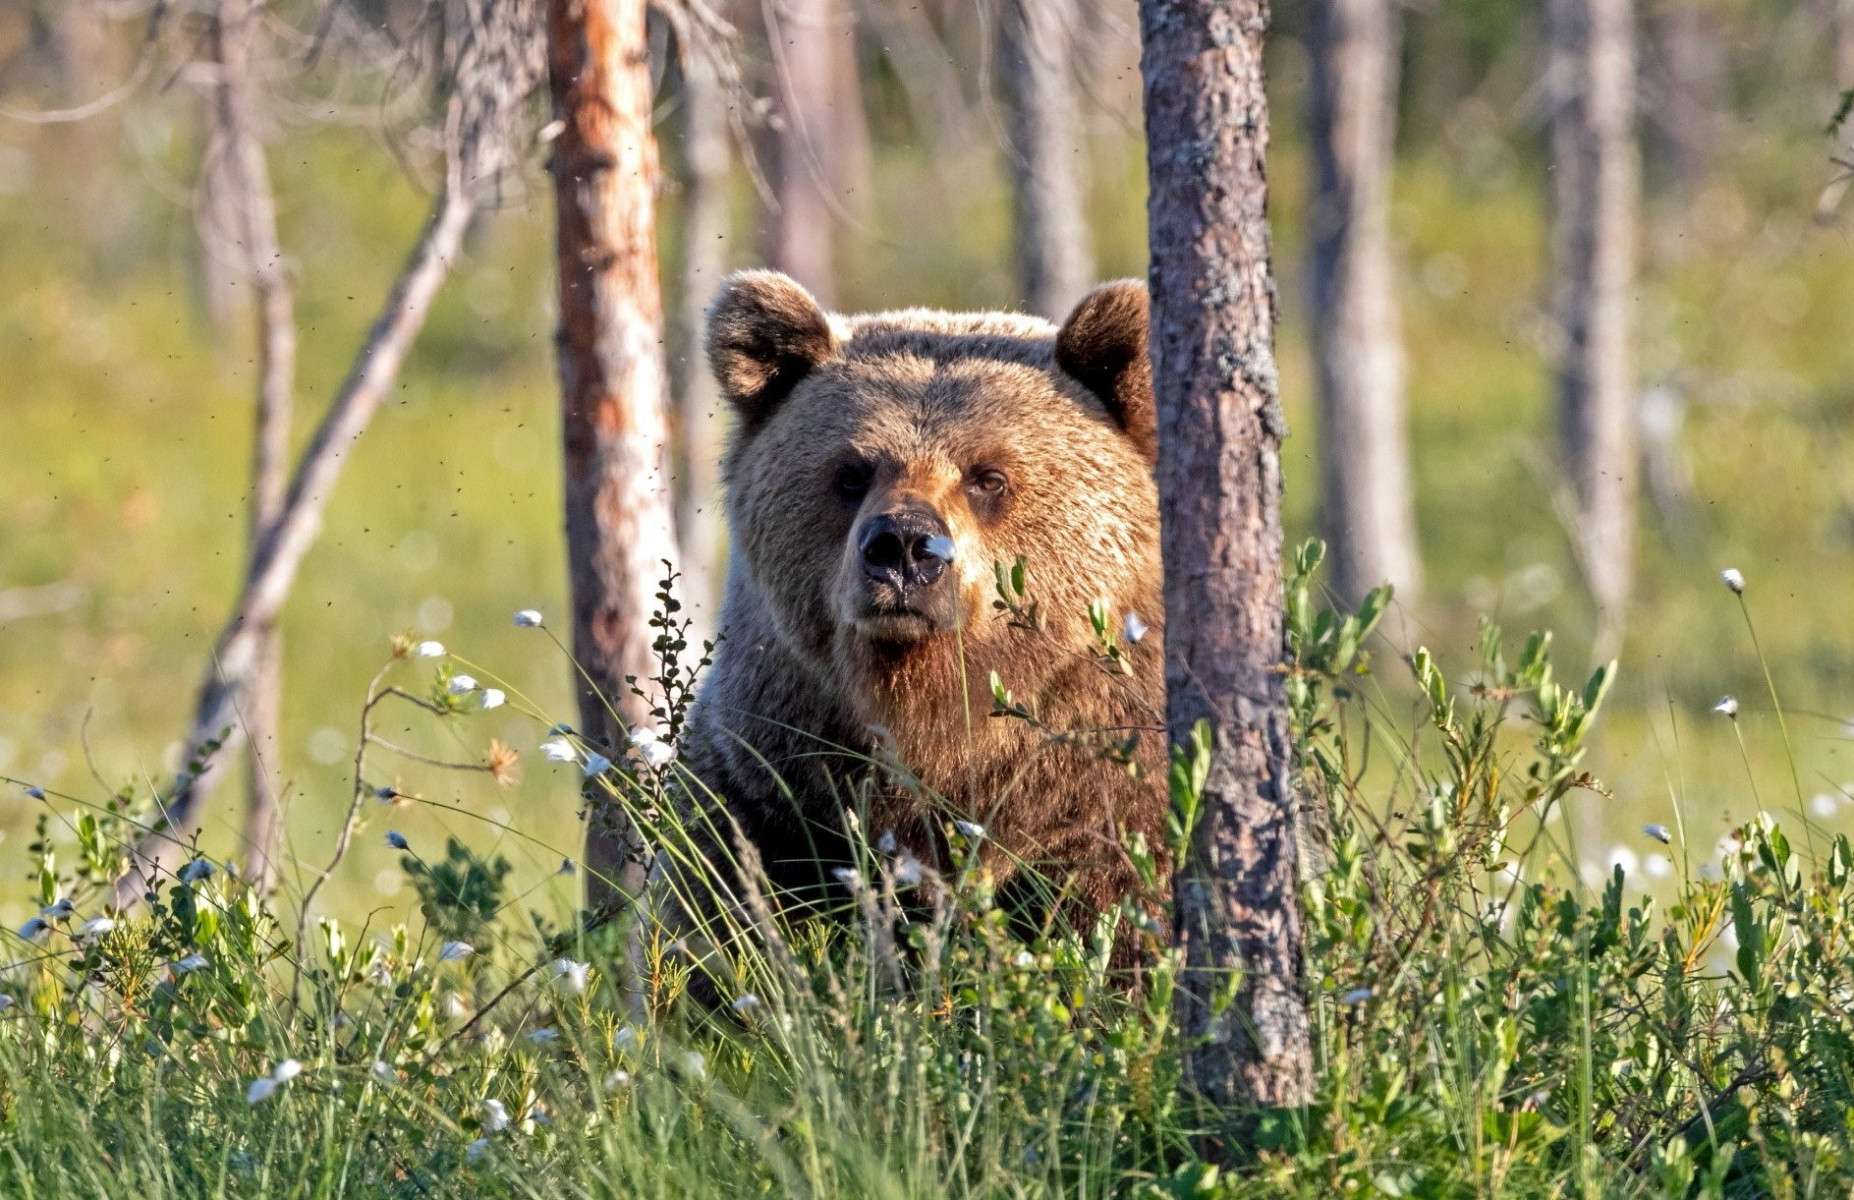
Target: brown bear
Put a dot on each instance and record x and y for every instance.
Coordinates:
(879, 468)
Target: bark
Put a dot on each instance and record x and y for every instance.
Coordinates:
(1219, 479)
(1055, 262)
(612, 375)
(249, 241)
(1367, 509)
(820, 160)
(708, 157)
(1595, 194)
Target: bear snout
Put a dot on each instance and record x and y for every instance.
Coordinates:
(902, 556)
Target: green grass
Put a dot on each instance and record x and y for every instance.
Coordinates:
(1485, 1025)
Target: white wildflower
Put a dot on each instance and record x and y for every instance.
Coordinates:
(616, 1080)
(571, 975)
(886, 843)
(650, 747)
(543, 1037)
(477, 1149)
(462, 684)
(260, 1090)
(195, 871)
(494, 698)
(625, 1039)
(1727, 705)
(907, 871)
(849, 877)
(1824, 804)
(1658, 866)
(58, 909)
(455, 951)
(96, 927)
(596, 765)
(1622, 856)
(528, 618)
(429, 650)
(746, 1002)
(35, 791)
(559, 750)
(1734, 579)
(1133, 629)
(286, 1070)
(455, 1007)
(495, 1116)
(695, 1064)
(1024, 959)
(192, 962)
(383, 1071)
(397, 840)
(35, 930)
(1357, 996)
(971, 830)
(1659, 833)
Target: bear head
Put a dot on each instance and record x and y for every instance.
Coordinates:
(881, 466)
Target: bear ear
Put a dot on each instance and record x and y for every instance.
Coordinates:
(765, 333)
(1102, 346)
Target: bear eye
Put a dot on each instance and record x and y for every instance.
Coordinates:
(989, 482)
(851, 482)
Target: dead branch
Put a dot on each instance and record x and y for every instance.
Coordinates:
(495, 66)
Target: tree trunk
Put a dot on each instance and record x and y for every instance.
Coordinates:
(1367, 510)
(1219, 479)
(1844, 45)
(248, 238)
(219, 717)
(707, 156)
(1689, 89)
(620, 539)
(1595, 194)
(1055, 262)
(820, 159)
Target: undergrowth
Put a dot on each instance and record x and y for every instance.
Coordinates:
(1486, 1024)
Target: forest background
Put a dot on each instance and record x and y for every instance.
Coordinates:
(125, 401)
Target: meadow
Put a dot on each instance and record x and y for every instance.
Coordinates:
(1581, 1040)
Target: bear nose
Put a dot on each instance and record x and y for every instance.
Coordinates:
(909, 548)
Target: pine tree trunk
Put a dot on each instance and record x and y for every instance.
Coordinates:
(1367, 510)
(1596, 193)
(1219, 479)
(1055, 262)
(612, 377)
(707, 159)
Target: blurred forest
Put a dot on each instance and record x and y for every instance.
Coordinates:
(127, 366)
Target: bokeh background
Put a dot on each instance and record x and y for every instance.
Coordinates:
(125, 411)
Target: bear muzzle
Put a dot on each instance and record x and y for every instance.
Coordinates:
(904, 586)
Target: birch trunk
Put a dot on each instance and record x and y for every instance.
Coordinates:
(1367, 509)
(707, 158)
(1596, 194)
(820, 159)
(1055, 262)
(620, 536)
(1219, 478)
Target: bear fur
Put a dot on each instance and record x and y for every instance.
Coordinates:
(1012, 438)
